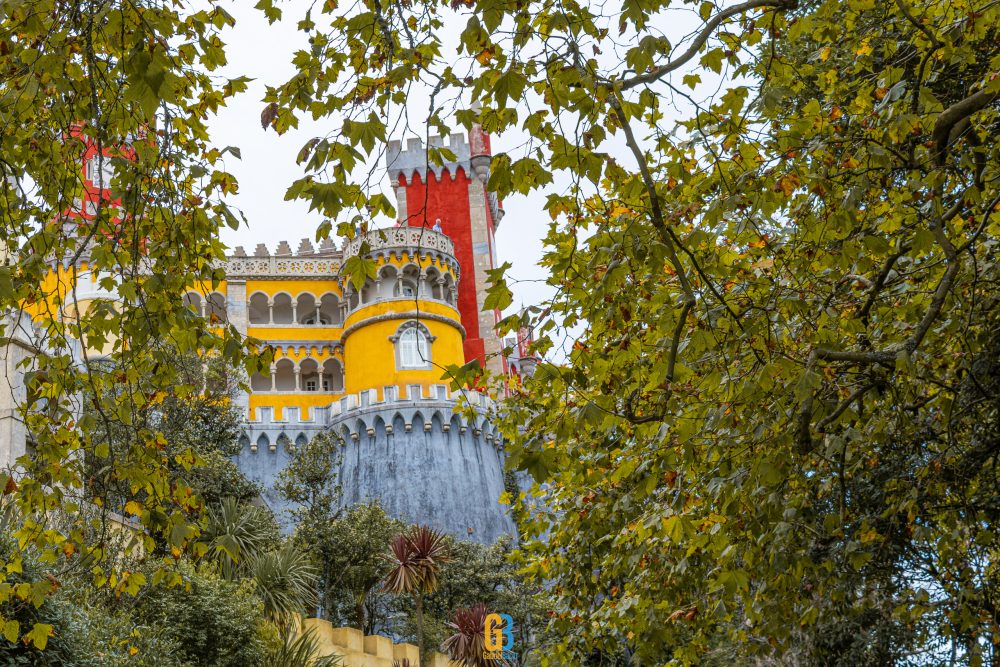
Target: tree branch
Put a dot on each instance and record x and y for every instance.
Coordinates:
(880, 282)
(703, 36)
(905, 11)
(675, 343)
(656, 211)
(953, 115)
(832, 417)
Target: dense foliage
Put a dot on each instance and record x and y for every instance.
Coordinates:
(133, 80)
(212, 621)
(773, 435)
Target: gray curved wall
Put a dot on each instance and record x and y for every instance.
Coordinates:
(421, 461)
(426, 465)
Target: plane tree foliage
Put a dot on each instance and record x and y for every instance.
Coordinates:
(138, 81)
(765, 422)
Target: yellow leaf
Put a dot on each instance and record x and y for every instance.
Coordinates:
(11, 631)
(132, 507)
(864, 49)
(788, 183)
(39, 635)
(824, 53)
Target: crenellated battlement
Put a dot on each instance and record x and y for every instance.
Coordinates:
(393, 395)
(414, 159)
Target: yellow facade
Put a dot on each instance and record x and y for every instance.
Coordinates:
(69, 291)
(329, 340)
(369, 342)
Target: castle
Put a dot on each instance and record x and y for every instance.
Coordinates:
(367, 364)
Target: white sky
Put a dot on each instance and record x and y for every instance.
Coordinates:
(268, 167)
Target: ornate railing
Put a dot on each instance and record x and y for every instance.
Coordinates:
(414, 238)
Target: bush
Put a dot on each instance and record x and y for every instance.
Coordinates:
(213, 622)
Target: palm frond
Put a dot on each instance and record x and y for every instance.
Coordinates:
(236, 534)
(415, 559)
(429, 548)
(467, 645)
(286, 582)
(301, 650)
(405, 572)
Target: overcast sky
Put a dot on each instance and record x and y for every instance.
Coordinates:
(268, 166)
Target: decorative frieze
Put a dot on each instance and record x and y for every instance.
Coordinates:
(303, 268)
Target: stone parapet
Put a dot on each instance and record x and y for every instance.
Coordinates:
(415, 160)
(398, 239)
(357, 650)
(345, 406)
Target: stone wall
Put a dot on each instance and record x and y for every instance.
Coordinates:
(422, 461)
(357, 650)
(16, 346)
(425, 464)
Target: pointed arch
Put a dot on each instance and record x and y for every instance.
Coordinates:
(193, 301)
(329, 309)
(284, 375)
(282, 311)
(307, 309)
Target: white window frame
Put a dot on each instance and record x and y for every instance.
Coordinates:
(108, 173)
(407, 341)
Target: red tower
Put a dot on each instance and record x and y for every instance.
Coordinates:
(454, 196)
(97, 172)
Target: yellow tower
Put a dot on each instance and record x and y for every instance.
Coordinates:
(402, 328)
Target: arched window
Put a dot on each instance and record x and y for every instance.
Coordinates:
(329, 309)
(309, 374)
(284, 375)
(282, 310)
(215, 308)
(408, 283)
(387, 277)
(433, 282)
(333, 376)
(413, 346)
(259, 311)
(193, 301)
(308, 309)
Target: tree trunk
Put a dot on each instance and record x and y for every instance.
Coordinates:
(359, 613)
(419, 599)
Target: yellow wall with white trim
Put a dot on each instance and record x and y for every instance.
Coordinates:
(371, 355)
